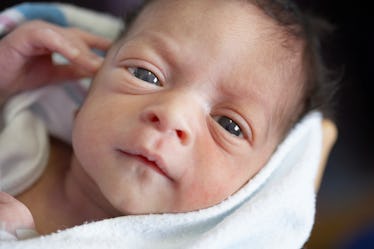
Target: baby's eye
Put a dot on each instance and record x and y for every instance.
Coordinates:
(144, 75)
(229, 125)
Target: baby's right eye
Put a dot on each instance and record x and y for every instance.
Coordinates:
(144, 75)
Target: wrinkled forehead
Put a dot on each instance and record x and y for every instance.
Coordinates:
(178, 12)
(217, 21)
(184, 16)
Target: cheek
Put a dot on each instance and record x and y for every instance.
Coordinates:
(90, 128)
(220, 173)
(209, 192)
(215, 175)
(83, 141)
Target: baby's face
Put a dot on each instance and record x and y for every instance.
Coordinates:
(186, 108)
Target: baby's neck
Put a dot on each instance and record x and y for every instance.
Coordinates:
(84, 196)
(64, 196)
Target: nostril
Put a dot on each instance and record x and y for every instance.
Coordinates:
(168, 124)
(153, 118)
(180, 134)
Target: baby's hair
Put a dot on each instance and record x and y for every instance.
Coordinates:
(320, 83)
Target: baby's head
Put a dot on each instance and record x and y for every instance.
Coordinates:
(191, 103)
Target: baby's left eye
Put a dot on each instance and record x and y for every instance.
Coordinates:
(229, 125)
(144, 75)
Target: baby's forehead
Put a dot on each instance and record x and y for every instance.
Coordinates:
(182, 11)
(182, 14)
(271, 46)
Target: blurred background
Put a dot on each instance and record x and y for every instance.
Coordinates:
(345, 204)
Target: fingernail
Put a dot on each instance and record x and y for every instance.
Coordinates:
(74, 52)
(26, 233)
(97, 61)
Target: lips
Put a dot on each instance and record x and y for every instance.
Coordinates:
(153, 161)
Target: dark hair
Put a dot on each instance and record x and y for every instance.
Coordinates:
(320, 82)
(132, 14)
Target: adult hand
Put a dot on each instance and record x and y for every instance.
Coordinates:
(26, 56)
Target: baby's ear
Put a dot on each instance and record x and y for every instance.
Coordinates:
(330, 134)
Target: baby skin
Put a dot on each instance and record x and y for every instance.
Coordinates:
(185, 109)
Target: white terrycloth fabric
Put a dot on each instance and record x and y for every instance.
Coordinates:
(273, 210)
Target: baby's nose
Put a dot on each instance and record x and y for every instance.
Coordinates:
(171, 118)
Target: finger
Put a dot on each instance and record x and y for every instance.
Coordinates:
(6, 198)
(77, 53)
(93, 41)
(14, 213)
(47, 39)
(87, 60)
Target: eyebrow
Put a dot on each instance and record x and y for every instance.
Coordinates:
(164, 46)
(255, 103)
(241, 92)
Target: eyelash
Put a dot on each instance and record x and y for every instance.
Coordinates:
(225, 124)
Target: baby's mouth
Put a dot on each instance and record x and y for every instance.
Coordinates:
(151, 164)
(150, 161)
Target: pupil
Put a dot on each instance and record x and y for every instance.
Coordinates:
(230, 126)
(145, 75)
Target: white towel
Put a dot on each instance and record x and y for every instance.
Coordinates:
(274, 210)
